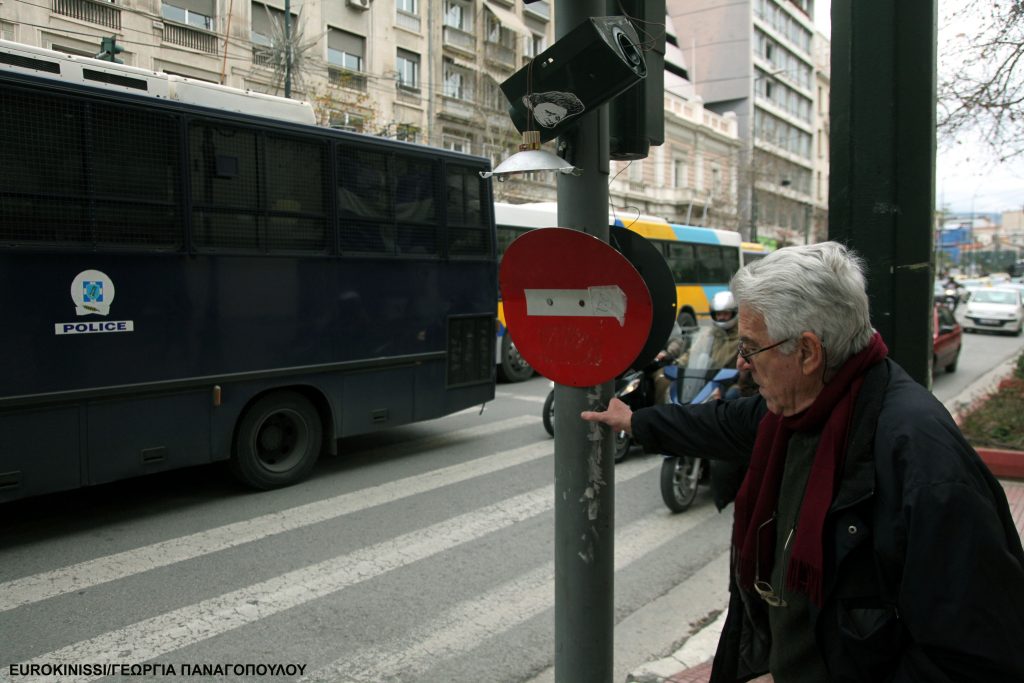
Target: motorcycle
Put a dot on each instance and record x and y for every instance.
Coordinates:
(635, 388)
(697, 383)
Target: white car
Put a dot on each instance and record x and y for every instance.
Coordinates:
(998, 309)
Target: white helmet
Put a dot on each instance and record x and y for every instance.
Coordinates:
(724, 310)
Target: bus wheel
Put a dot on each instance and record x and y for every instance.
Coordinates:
(512, 367)
(278, 441)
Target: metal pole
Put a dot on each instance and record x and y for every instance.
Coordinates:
(584, 474)
(287, 48)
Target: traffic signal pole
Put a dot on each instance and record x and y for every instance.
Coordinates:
(584, 462)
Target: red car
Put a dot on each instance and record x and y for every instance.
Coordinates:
(946, 339)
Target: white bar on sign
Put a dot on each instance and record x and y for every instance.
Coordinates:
(605, 301)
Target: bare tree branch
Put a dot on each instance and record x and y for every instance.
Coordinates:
(982, 89)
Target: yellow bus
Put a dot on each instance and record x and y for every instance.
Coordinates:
(752, 251)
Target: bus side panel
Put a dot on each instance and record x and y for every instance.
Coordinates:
(142, 435)
(39, 452)
(377, 399)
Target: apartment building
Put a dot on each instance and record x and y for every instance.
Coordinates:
(426, 71)
(757, 58)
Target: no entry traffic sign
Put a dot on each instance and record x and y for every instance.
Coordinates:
(577, 310)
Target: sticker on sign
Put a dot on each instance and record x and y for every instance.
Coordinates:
(607, 301)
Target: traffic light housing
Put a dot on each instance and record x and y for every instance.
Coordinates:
(109, 49)
(636, 118)
(585, 68)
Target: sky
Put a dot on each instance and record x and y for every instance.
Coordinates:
(968, 177)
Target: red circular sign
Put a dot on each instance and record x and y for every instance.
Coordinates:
(577, 310)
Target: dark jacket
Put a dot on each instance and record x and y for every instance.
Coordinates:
(924, 570)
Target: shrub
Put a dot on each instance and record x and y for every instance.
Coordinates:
(998, 420)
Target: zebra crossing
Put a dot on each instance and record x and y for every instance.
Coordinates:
(413, 578)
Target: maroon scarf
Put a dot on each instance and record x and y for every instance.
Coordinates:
(832, 412)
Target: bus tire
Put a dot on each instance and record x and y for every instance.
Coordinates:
(278, 441)
(512, 367)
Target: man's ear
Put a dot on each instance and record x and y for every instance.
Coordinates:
(812, 353)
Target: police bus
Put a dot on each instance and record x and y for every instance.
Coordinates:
(702, 261)
(194, 273)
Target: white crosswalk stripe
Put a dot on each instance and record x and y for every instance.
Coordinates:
(465, 626)
(29, 589)
(218, 625)
(179, 628)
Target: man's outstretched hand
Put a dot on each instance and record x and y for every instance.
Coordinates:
(618, 416)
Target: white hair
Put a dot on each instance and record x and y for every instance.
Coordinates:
(817, 288)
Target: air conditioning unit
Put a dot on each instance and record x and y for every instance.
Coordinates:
(360, 4)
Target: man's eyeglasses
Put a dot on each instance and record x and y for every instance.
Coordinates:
(763, 588)
(746, 353)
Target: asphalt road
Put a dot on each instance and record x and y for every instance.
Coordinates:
(420, 554)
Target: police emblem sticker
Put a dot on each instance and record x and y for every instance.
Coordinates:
(93, 292)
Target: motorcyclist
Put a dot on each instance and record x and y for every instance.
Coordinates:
(952, 291)
(724, 314)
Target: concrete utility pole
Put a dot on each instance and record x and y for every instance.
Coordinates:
(584, 463)
(882, 166)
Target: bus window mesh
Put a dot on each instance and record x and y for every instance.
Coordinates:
(468, 233)
(230, 168)
(416, 211)
(366, 207)
(135, 172)
(87, 174)
(297, 215)
(225, 186)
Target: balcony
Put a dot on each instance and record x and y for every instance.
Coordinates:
(102, 13)
(500, 55)
(459, 40)
(410, 22)
(263, 55)
(458, 110)
(345, 78)
(190, 37)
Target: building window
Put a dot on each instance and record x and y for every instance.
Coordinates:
(493, 97)
(345, 49)
(679, 172)
(498, 34)
(268, 23)
(636, 171)
(407, 64)
(457, 14)
(457, 144)
(534, 45)
(7, 31)
(407, 6)
(346, 120)
(198, 13)
(457, 82)
(407, 132)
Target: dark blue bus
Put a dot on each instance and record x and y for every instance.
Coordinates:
(190, 280)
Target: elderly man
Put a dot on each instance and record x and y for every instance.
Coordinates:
(870, 543)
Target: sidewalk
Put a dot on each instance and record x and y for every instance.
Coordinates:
(692, 662)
